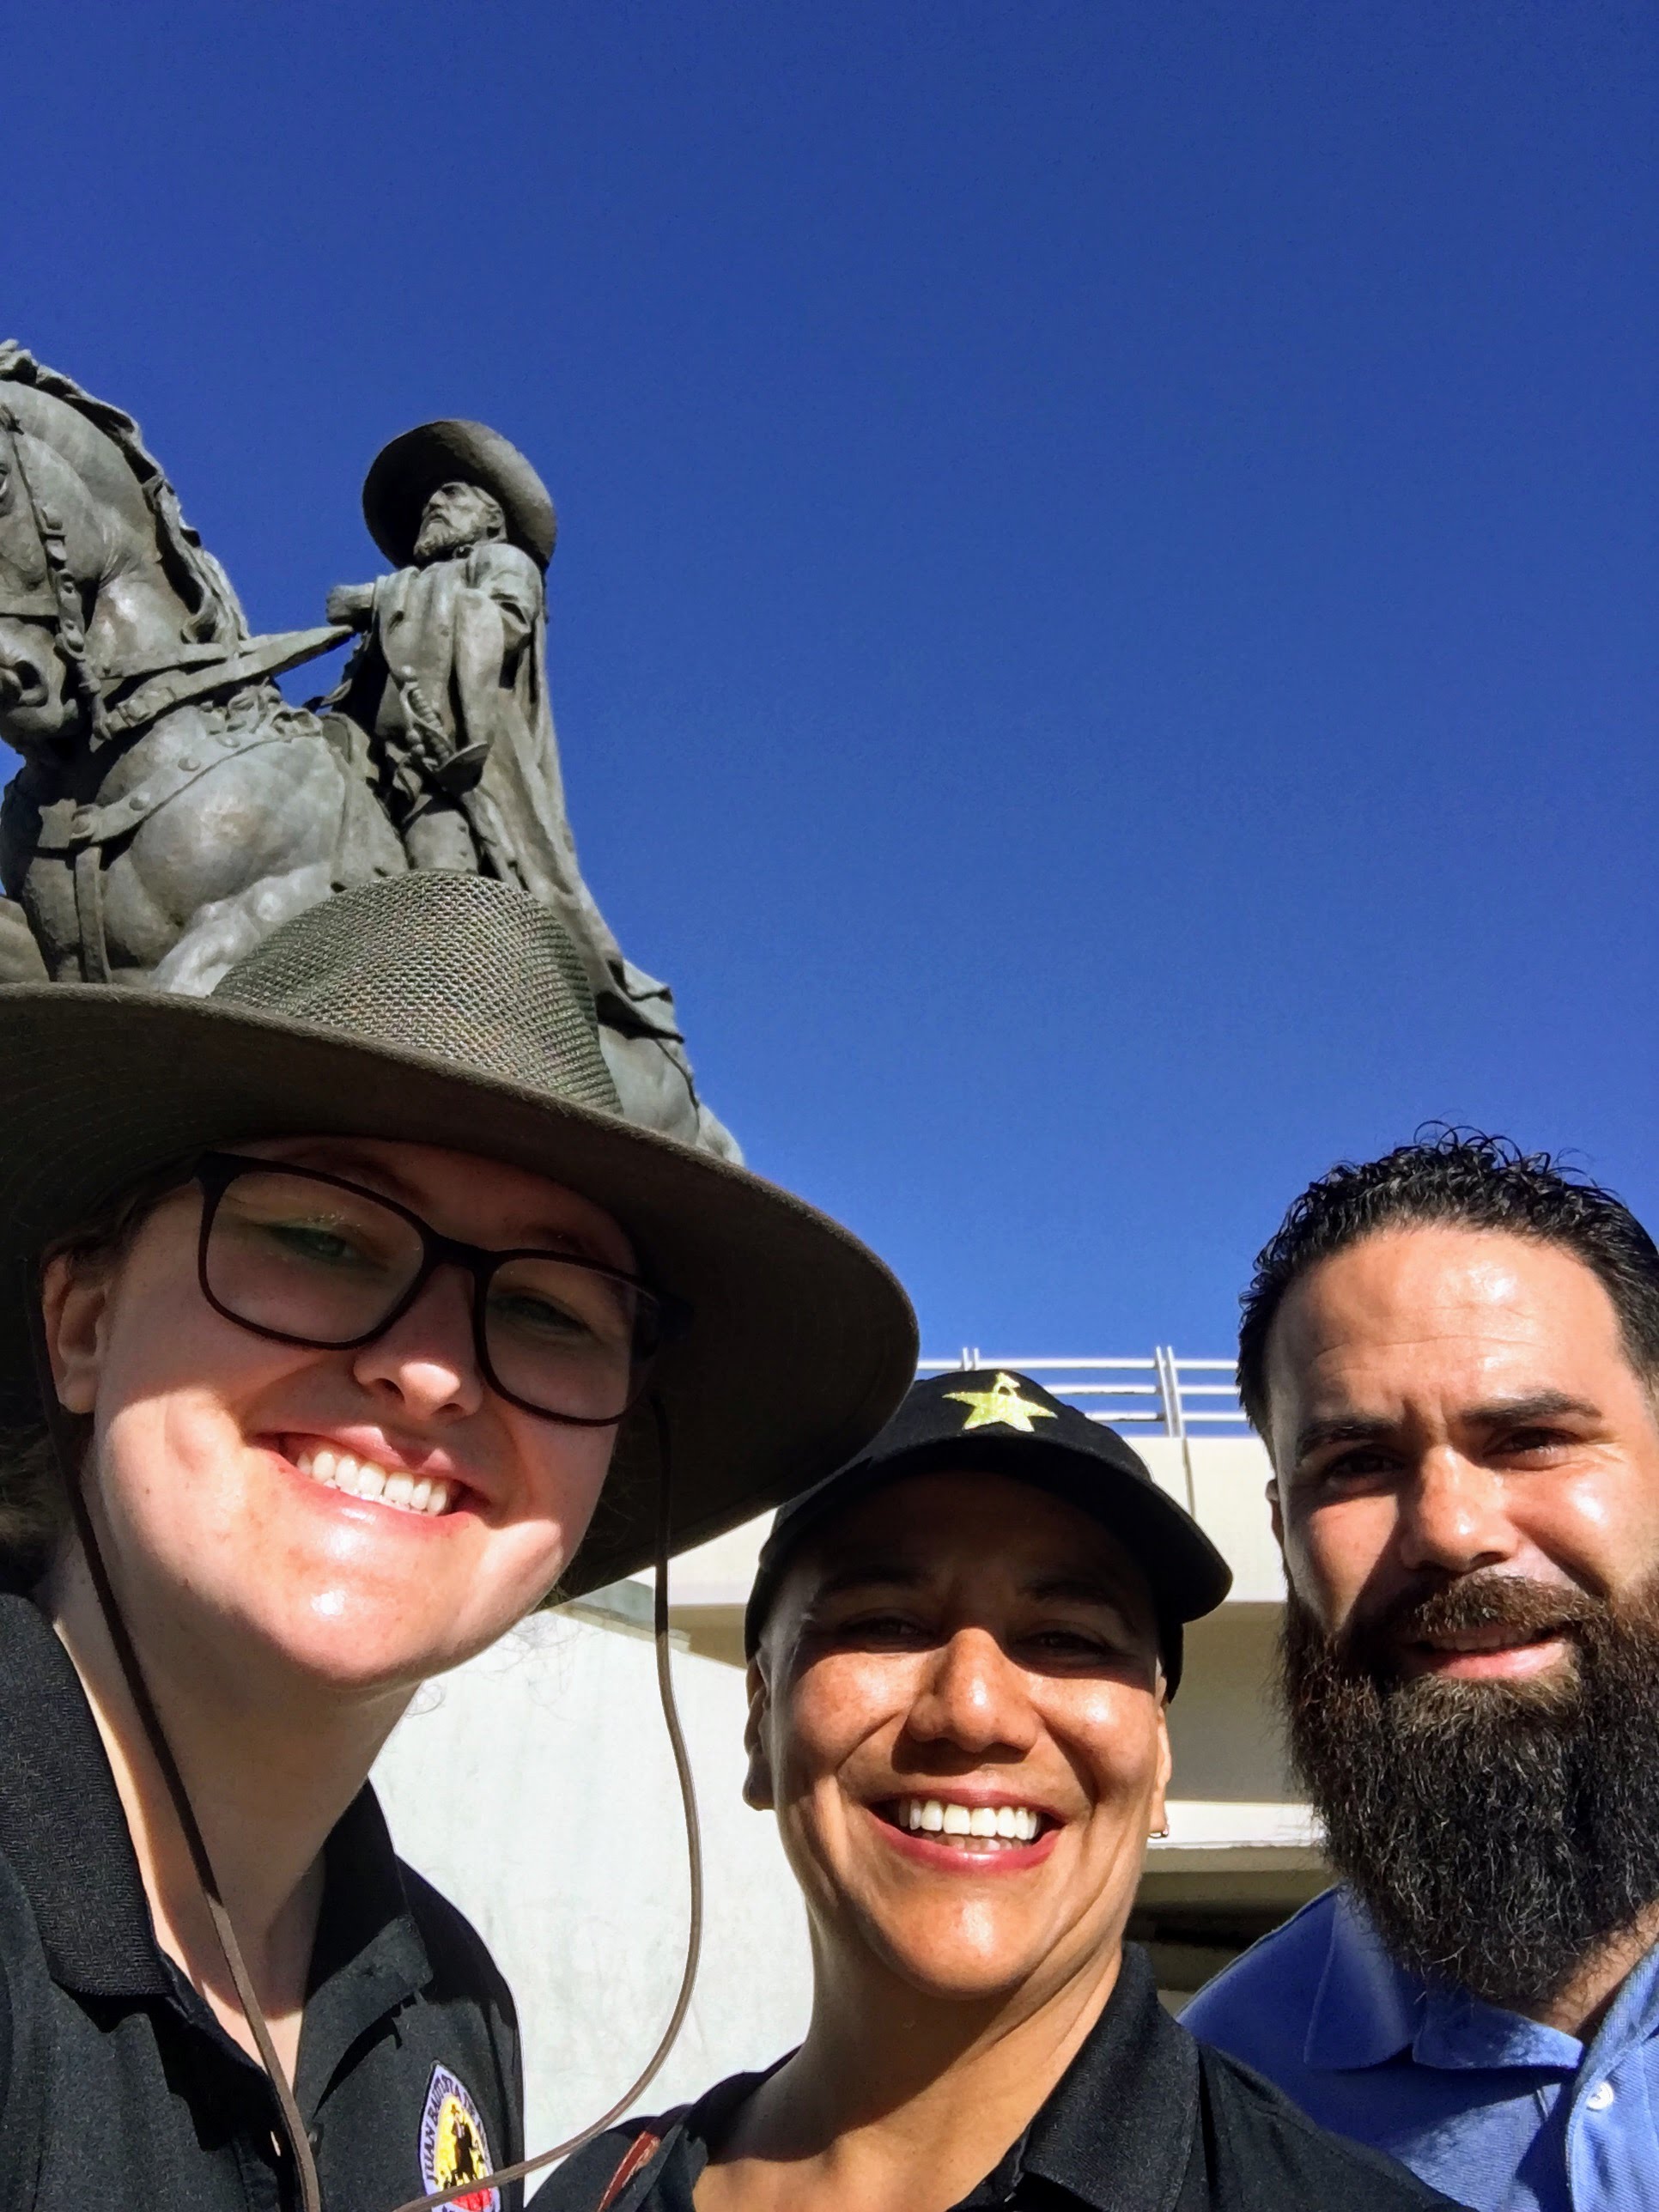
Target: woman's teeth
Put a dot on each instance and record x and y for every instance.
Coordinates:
(995, 1824)
(361, 1478)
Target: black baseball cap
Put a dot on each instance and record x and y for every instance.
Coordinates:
(998, 1422)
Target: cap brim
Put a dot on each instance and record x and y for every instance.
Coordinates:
(1186, 1575)
(800, 1344)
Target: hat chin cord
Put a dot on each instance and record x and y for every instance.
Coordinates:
(65, 1444)
(636, 2088)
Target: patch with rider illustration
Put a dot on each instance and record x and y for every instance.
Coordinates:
(454, 2148)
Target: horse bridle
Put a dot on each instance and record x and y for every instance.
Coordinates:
(67, 623)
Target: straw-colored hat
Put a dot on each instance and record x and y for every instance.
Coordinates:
(452, 1010)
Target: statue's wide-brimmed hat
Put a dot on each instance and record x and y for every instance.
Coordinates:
(451, 1010)
(404, 476)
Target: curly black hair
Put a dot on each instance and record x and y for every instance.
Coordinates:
(1475, 1182)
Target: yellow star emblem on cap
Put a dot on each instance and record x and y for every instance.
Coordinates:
(1001, 1406)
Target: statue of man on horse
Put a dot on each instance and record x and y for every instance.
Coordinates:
(171, 808)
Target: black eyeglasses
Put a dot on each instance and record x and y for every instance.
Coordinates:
(308, 1258)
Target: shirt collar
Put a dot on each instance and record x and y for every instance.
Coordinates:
(1117, 2131)
(1366, 2007)
(369, 1956)
(61, 1823)
(1633, 2015)
(1369, 2007)
(63, 1831)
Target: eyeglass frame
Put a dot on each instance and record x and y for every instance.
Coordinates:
(215, 1171)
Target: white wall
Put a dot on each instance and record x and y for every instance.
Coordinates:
(578, 1883)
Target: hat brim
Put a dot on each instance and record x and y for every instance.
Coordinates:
(801, 1343)
(404, 474)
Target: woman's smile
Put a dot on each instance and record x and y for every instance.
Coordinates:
(333, 1476)
(959, 1835)
(362, 1463)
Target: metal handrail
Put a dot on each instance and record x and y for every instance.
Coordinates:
(1172, 1386)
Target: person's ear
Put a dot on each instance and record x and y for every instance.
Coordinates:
(758, 1789)
(75, 1307)
(1275, 1511)
(1158, 1822)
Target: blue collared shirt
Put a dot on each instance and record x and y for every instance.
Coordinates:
(1498, 2111)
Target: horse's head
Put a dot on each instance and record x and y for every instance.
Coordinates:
(39, 705)
(41, 497)
(88, 596)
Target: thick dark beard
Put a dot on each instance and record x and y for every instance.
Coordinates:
(1498, 1834)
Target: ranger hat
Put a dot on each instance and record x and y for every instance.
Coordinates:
(1001, 1423)
(403, 475)
(452, 1010)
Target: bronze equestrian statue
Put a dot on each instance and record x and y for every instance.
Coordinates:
(172, 809)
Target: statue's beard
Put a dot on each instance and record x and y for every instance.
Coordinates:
(440, 536)
(1497, 1833)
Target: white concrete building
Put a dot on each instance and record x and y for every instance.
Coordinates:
(580, 1887)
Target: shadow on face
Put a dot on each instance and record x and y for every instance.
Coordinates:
(956, 1711)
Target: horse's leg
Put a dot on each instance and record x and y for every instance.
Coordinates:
(220, 933)
(20, 958)
(265, 834)
(439, 836)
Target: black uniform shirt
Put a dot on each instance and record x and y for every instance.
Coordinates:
(1145, 2119)
(119, 2091)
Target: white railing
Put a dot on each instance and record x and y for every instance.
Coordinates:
(1178, 1395)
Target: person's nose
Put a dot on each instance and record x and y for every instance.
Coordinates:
(426, 1363)
(1454, 1515)
(975, 1699)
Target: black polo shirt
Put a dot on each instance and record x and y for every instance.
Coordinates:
(119, 2091)
(1145, 2119)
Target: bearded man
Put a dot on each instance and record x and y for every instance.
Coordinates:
(1453, 1355)
(451, 683)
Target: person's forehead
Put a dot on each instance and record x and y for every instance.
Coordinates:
(944, 1522)
(1443, 1300)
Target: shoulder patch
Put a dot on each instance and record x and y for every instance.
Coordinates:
(454, 2148)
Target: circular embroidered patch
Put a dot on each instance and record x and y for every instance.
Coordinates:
(454, 2148)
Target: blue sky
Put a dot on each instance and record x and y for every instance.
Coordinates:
(1103, 633)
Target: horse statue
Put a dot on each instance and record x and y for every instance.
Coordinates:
(171, 808)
